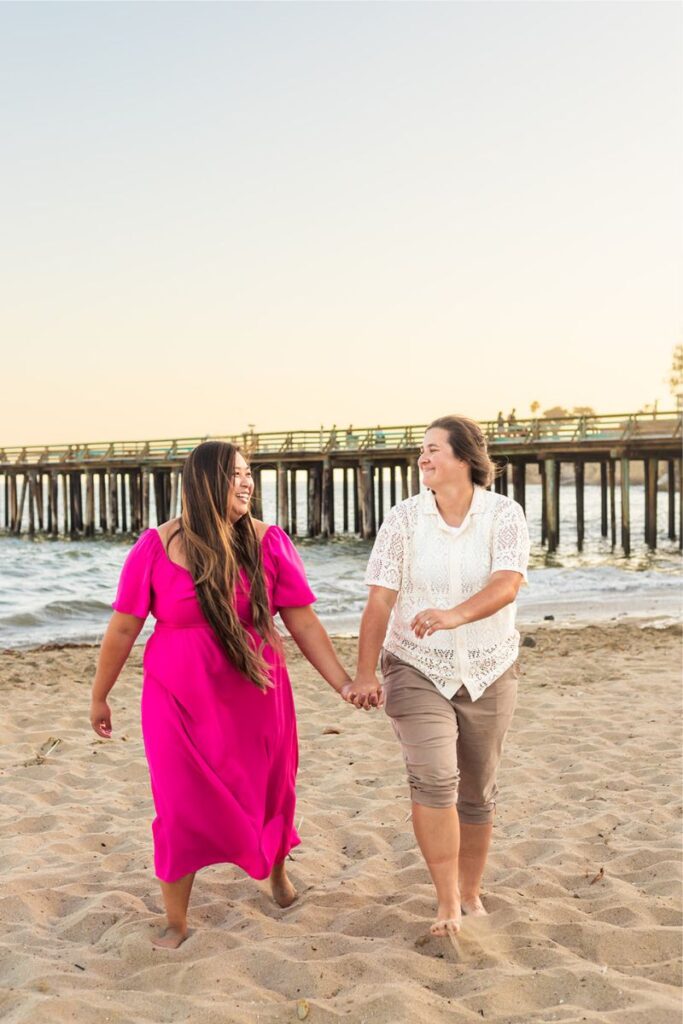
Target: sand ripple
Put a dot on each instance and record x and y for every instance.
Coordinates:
(583, 885)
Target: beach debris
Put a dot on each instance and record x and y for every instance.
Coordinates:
(49, 745)
(44, 751)
(331, 730)
(549, 618)
(302, 1009)
(598, 878)
(80, 967)
(528, 641)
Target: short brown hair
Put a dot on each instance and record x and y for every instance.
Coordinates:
(467, 440)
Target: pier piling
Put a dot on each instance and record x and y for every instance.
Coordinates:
(552, 503)
(651, 467)
(625, 507)
(292, 502)
(282, 498)
(612, 482)
(579, 478)
(519, 483)
(380, 495)
(327, 499)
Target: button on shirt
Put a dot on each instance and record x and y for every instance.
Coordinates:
(434, 565)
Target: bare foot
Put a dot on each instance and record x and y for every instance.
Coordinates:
(170, 938)
(282, 889)
(447, 921)
(473, 907)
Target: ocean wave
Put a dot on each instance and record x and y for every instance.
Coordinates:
(56, 611)
(60, 590)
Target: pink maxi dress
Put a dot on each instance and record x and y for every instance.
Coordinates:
(222, 753)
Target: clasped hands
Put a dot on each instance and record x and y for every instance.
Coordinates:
(366, 691)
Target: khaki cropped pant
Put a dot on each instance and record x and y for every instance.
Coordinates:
(451, 748)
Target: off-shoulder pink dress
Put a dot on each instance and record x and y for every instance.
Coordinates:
(222, 753)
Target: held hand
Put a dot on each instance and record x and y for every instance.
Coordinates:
(364, 692)
(427, 622)
(100, 718)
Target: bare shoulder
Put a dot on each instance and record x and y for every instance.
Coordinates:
(165, 530)
(261, 528)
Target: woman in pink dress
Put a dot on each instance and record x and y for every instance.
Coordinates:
(218, 715)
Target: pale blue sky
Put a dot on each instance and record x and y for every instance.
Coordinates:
(291, 214)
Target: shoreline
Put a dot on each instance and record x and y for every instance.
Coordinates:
(658, 622)
(63, 594)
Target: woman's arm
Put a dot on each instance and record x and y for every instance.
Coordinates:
(120, 635)
(500, 590)
(367, 689)
(311, 638)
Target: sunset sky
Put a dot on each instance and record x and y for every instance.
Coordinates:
(295, 214)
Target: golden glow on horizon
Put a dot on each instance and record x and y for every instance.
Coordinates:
(275, 223)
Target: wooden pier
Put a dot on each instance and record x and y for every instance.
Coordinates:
(107, 488)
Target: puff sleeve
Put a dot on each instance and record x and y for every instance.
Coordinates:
(290, 587)
(134, 593)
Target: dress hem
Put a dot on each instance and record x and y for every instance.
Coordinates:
(236, 862)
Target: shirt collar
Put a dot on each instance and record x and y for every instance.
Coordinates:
(429, 507)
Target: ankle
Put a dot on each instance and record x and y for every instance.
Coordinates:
(177, 924)
(450, 899)
(470, 892)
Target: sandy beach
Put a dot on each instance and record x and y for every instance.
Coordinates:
(583, 885)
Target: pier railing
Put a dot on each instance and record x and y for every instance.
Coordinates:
(618, 428)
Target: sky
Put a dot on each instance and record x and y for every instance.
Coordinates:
(295, 214)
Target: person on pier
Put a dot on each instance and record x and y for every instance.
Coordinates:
(217, 710)
(443, 576)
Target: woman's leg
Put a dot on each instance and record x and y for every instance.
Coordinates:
(176, 896)
(427, 728)
(482, 726)
(474, 848)
(281, 887)
(437, 834)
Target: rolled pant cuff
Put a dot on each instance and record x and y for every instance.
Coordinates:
(476, 815)
(436, 800)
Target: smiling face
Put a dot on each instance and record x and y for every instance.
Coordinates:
(241, 489)
(439, 465)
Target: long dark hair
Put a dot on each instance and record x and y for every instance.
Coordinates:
(467, 440)
(216, 549)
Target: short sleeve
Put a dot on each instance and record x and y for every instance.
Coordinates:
(134, 593)
(510, 539)
(290, 587)
(385, 567)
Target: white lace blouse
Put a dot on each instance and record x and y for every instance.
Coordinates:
(433, 566)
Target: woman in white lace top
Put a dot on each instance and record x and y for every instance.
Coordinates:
(444, 575)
